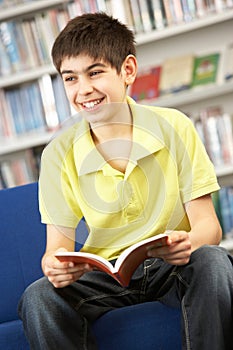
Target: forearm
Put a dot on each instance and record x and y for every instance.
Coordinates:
(57, 238)
(205, 227)
(207, 231)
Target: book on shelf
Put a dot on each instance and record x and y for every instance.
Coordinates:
(22, 110)
(189, 8)
(136, 15)
(168, 12)
(217, 133)
(200, 8)
(122, 10)
(16, 112)
(19, 170)
(62, 104)
(157, 14)
(48, 99)
(8, 128)
(126, 263)
(7, 37)
(5, 64)
(146, 84)
(176, 74)
(223, 203)
(145, 16)
(220, 5)
(228, 62)
(225, 131)
(205, 69)
(176, 11)
(35, 106)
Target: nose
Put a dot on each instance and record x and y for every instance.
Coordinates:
(85, 86)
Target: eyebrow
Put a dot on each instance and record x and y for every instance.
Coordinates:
(94, 65)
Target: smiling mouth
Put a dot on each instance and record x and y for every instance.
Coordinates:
(91, 104)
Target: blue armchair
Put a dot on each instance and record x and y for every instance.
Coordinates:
(144, 326)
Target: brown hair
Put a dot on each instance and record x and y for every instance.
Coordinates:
(97, 35)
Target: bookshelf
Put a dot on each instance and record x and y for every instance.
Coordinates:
(207, 33)
(198, 23)
(211, 31)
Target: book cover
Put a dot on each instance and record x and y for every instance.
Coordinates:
(176, 74)
(126, 263)
(146, 84)
(205, 69)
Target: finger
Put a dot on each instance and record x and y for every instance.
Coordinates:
(178, 236)
(60, 281)
(70, 267)
(178, 261)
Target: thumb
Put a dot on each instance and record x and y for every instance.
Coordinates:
(62, 249)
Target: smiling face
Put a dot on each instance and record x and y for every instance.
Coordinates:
(91, 85)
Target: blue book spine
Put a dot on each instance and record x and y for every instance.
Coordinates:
(226, 213)
(8, 40)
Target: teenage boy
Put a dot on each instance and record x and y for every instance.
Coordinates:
(133, 172)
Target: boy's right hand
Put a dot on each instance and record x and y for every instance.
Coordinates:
(62, 274)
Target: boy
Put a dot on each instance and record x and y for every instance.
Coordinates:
(133, 172)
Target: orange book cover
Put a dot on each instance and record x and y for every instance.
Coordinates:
(126, 263)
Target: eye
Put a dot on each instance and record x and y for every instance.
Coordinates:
(94, 73)
(69, 78)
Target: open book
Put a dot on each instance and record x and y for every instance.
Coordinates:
(126, 263)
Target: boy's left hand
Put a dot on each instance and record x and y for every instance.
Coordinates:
(176, 250)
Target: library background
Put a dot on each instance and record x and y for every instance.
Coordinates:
(185, 55)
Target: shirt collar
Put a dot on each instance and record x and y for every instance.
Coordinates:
(147, 139)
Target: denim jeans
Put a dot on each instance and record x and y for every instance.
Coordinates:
(57, 319)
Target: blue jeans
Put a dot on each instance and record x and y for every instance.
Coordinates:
(57, 319)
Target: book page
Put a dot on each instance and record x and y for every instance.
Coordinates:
(132, 257)
(89, 258)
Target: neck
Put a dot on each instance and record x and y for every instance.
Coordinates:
(119, 128)
(114, 141)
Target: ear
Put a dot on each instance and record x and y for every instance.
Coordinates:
(129, 69)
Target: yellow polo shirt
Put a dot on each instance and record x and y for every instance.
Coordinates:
(168, 167)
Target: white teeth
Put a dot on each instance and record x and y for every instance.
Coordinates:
(91, 104)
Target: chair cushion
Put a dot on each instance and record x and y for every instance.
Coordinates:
(12, 336)
(122, 329)
(22, 242)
